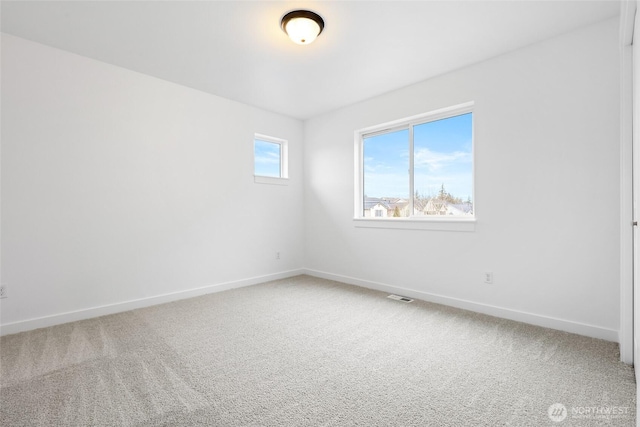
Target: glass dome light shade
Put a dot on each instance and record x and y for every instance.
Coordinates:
(302, 26)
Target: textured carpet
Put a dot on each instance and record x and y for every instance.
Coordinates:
(309, 352)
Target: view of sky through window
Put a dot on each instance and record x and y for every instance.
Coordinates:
(442, 157)
(386, 165)
(267, 158)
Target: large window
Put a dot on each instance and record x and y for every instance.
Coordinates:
(417, 168)
(270, 159)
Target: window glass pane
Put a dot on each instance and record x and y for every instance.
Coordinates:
(267, 158)
(443, 167)
(386, 175)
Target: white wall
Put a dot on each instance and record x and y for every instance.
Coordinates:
(547, 189)
(117, 186)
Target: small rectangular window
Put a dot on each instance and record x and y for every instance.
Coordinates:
(417, 168)
(269, 159)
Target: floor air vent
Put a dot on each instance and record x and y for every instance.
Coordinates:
(400, 298)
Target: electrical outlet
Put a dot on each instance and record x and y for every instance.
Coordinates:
(3, 291)
(488, 277)
(277, 255)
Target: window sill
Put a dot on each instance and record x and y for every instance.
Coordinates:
(270, 180)
(437, 224)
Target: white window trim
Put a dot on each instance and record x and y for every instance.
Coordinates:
(413, 222)
(283, 179)
(418, 223)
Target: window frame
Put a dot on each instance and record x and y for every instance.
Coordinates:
(444, 223)
(283, 179)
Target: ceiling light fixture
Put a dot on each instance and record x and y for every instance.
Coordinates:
(302, 26)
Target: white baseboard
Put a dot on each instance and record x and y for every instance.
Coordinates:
(505, 313)
(72, 316)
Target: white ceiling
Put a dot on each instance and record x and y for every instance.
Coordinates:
(237, 50)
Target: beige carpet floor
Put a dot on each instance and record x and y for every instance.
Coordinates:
(309, 352)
